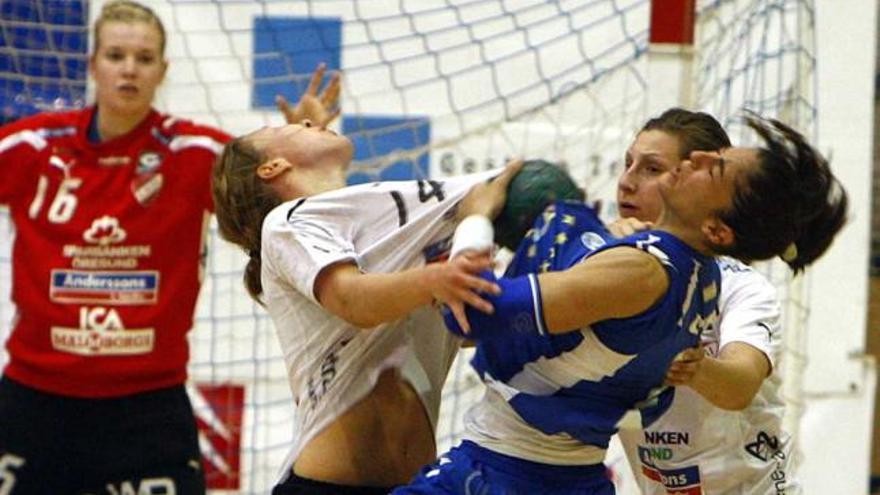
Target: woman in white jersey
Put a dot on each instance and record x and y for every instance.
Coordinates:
(722, 434)
(346, 275)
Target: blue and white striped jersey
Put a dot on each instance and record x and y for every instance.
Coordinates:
(558, 399)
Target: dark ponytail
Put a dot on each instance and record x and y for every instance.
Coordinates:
(792, 207)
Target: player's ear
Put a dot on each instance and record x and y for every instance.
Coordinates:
(717, 232)
(273, 168)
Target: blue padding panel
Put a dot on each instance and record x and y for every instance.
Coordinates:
(55, 33)
(375, 136)
(286, 52)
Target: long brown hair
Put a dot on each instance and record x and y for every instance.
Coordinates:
(241, 201)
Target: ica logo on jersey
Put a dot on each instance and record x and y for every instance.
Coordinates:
(101, 332)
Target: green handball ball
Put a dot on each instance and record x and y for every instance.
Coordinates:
(536, 186)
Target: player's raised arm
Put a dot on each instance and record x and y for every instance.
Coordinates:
(320, 109)
(369, 299)
(474, 236)
(617, 283)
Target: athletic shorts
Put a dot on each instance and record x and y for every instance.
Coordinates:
(295, 485)
(142, 443)
(474, 470)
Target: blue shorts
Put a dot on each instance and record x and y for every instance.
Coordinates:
(473, 470)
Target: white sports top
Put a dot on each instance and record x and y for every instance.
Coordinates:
(697, 448)
(382, 227)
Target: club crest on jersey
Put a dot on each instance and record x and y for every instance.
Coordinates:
(592, 240)
(148, 182)
(148, 162)
(104, 231)
(146, 187)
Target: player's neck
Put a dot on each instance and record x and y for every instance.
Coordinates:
(112, 125)
(689, 234)
(317, 180)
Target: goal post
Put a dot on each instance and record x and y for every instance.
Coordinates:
(671, 55)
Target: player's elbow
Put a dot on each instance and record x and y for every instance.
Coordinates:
(734, 398)
(734, 402)
(350, 309)
(360, 323)
(739, 373)
(363, 320)
(339, 289)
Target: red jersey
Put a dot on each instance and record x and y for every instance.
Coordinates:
(109, 250)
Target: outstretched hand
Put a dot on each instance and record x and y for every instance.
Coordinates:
(457, 283)
(319, 109)
(488, 198)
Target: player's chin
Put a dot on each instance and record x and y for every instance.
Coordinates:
(348, 146)
(130, 104)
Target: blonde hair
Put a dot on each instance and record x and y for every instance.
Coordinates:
(129, 12)
(241, 202)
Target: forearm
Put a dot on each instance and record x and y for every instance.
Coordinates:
(727, 384)
(601, 288)
(368, 300)
(560, 302)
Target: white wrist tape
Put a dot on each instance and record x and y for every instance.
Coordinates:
(474, 233)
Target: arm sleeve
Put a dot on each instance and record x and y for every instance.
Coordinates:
(298, 249)
(518, 310)
(750, 313)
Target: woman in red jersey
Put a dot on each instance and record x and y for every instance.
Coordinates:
(111, 205)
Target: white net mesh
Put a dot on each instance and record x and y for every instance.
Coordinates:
(431, 87)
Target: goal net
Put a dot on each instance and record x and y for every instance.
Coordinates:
(432, 88)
